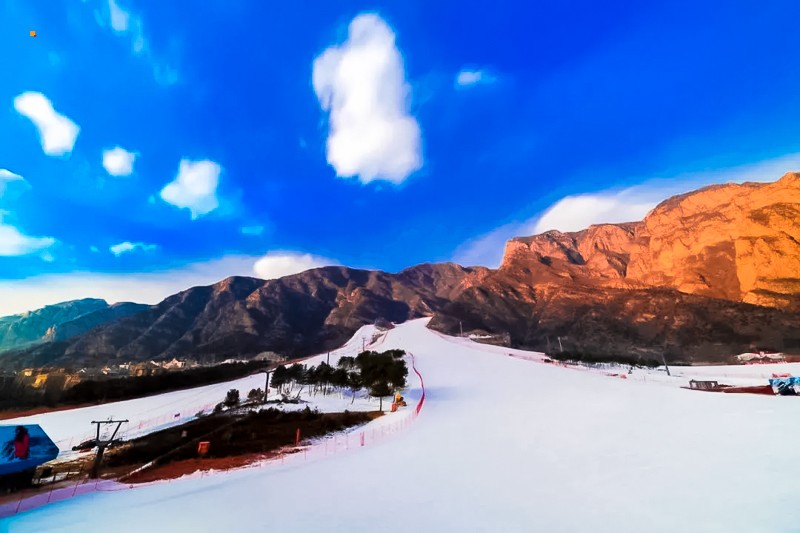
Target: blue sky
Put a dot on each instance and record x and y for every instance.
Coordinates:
(146, 146)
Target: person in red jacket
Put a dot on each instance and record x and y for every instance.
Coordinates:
(22, 443)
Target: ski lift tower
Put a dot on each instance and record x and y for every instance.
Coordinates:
(102, 444)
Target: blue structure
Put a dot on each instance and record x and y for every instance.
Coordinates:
(42, 449)
(785, 386)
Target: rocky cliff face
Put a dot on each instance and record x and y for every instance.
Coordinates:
(734, 242)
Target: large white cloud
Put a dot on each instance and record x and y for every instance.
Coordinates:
(118, 162)
(194, 188)
(278, 264)
(17, 296)
(361, 84)
(57, 132)
(577, 212)
(128, 247)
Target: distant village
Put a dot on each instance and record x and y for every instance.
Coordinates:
(61, 378)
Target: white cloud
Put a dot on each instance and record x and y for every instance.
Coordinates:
(361, 84)
(469, 78)
(252, 230)
(57, 132)
(118, 161)
(6, 178)
(128, 247)
(14, 243)
(195, 187)
(577, 212)
(278, 264)
(17, 296)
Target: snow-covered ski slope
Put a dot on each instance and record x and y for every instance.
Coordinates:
(145, 415)
(502, 444)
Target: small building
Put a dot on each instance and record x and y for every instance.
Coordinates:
(149, 368)
(760, 356)
(703, 385)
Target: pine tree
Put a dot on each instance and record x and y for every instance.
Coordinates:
(279, 378)
(232, 398)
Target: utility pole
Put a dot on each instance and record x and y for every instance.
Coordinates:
(461, 327)
(664, 358)
(328, 360)
(363, 344)
(102, 444)
(560, 347)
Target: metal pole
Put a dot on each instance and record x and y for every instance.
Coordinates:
(461, 327)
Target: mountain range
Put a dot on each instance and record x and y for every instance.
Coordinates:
(704, 276)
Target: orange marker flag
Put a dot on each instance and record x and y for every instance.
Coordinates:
(33, 33)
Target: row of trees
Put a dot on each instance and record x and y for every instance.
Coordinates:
(381, 374)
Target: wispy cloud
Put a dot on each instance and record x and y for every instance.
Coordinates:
(470, 78)
(120, 19)
(361, 84)
(56, 132)
(252, 230)
(577, 212)
(118, 161)
(125, 23)
(194, 188)
(7, 178)
(278, 264)
(128, 247)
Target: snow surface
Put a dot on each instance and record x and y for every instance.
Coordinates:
(502, 444)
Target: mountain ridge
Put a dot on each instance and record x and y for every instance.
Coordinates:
(705, 275)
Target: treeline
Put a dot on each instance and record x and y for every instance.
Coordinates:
(15, 395)
(380, 374)
(591, 359)
(115, 389)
